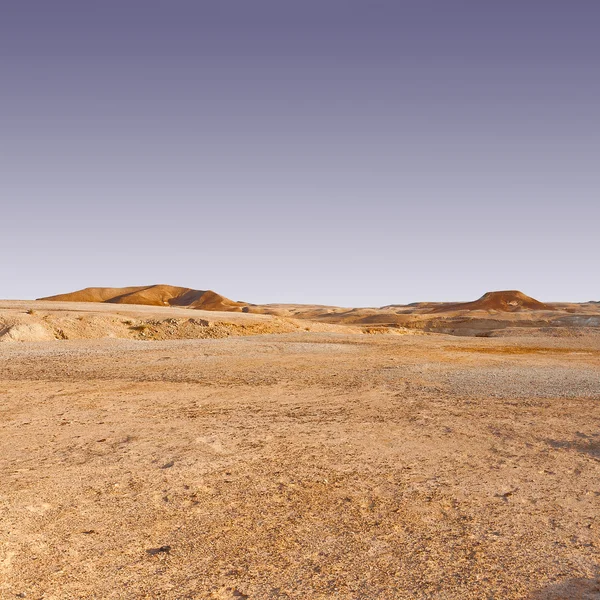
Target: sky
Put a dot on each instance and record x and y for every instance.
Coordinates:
(356, 153)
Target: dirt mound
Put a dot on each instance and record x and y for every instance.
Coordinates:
(17, 331)
(154, 295)
(506, 301)
(210, 300)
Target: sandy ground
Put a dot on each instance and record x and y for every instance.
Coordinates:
(489, 316)
(304, 464)
(37, 321)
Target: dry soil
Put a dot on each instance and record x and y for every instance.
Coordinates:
(299, 464)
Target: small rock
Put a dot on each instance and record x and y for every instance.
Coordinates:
(162, 549)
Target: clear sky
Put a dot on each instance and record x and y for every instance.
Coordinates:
(346, 152)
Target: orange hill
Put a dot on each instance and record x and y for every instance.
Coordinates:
(153, 295)
(507, 301)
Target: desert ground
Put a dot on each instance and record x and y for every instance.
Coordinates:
(405, 452)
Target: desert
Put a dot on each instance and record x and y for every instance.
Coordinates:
(159, 449)
(299, 300)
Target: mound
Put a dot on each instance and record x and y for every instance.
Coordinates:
(25, 332)
(506, 301)
(210, 300)
(154, 295)
(94, 294)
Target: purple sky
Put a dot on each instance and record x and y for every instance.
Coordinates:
(343, 152)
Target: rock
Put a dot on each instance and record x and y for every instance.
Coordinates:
(161, 550)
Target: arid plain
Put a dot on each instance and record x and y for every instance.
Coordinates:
(162, 442)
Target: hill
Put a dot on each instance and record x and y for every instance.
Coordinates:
(153, 295)
(504, 301)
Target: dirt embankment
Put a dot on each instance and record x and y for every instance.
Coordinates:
(37, 321)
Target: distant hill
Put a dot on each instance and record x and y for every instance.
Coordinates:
(153, 295)
(505, 301)
(510, 301)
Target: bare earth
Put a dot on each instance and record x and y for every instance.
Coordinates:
(272, 457)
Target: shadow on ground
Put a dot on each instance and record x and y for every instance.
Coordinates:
(587, 444)
(572, 589)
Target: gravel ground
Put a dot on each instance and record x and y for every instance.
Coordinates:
(301, 465)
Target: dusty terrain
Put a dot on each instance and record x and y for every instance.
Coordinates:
(272, 456)
(494, 314)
